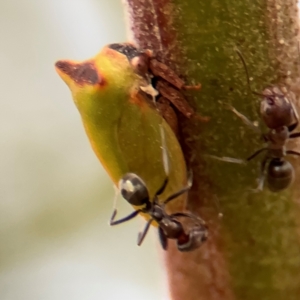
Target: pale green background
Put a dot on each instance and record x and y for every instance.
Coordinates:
(55, 198)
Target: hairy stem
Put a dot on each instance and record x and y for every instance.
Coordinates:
(253, 252)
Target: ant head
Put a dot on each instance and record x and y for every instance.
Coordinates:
(193, 240)
(276, 108)
(133, 189)
(280, 174)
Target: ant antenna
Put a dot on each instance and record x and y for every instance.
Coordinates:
(247, 73)
(245, 67)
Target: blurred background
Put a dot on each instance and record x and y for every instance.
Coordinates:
(55, 198)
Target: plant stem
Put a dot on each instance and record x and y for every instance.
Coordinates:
(253, 252)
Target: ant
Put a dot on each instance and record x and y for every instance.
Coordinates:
(280, 116)
(134, 190)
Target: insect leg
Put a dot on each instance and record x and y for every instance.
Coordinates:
(291, 152)
(162, 188)
(162, 238)
(182, 191)
(189, 215)
(294, 125)
(160, 69)
(245, 120)
(261, 179)
(142, 235)
(127, 218)
(256, 153)
(175, 97)
(228, 159)
(294, 135)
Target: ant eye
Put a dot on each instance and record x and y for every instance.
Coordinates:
(133, 189)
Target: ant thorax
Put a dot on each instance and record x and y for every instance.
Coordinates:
(277, 138)
(277, 108)
(158, 213)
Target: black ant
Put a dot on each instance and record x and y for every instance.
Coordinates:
(134, 190)
(280, 116)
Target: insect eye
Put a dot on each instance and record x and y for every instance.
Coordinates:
(133, 189)
(140, 64)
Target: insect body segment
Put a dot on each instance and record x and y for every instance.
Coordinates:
(134, 190)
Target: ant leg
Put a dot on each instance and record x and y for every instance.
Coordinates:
(162, 238)
(244, 119)
(189, 215)
(261, 179)
(129, 217)
(291, 152)
(181, 191)
(142, 235)
(294, 125)
(256, 153)
(228, 159)
(236, 160)
(294, 135)
(162, 188)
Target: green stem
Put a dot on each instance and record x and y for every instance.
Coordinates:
(253, 251)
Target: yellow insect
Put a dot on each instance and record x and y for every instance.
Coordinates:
(122, 122)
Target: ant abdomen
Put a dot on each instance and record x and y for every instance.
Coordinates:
(276, 107)
(280, 174)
